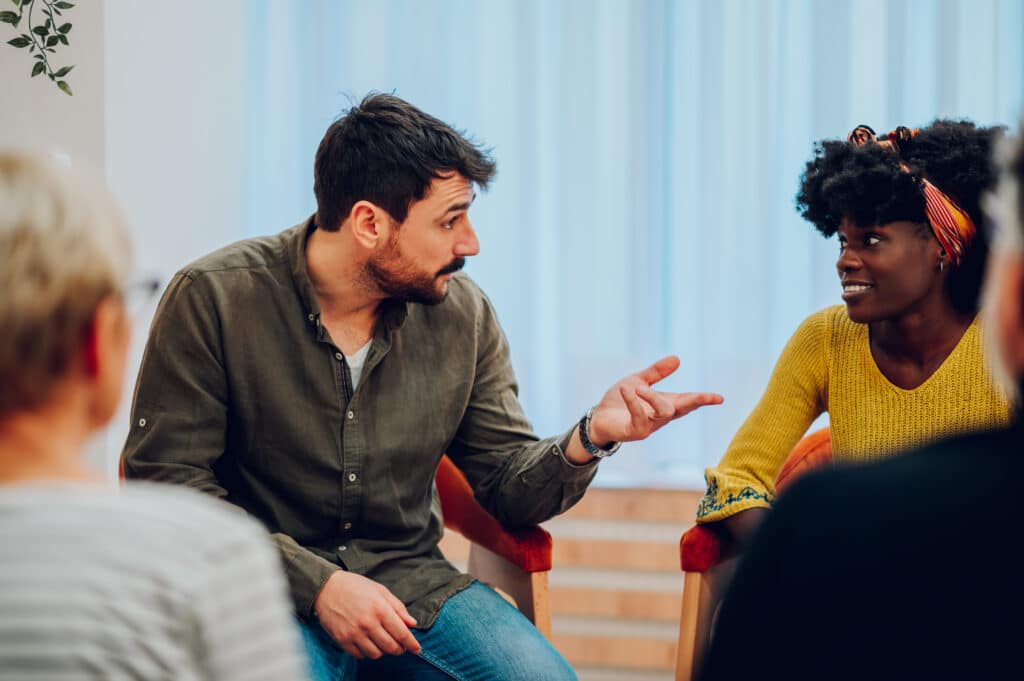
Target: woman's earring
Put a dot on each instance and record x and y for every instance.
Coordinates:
(942, 265)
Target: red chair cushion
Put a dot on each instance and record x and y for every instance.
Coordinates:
(699, 549)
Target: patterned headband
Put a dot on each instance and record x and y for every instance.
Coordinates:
(952, 226)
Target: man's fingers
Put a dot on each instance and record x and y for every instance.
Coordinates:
(637, 413)
(351, 648)
(659, 370)
(399, 634)
(660, 404)
(399, 607)
(686, 402)
(385, 642)
(367, 648)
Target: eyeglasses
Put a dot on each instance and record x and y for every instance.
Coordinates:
(139, 295)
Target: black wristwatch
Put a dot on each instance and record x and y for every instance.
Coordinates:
(592, 449)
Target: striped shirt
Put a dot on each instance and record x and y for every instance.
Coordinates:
(150, 583)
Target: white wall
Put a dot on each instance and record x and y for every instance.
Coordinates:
(159, 108)
(36, 116)
(174, 121)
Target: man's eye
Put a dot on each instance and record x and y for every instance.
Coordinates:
(872, 240)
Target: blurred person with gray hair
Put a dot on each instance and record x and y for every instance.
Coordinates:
(149, 582)
(908, 568)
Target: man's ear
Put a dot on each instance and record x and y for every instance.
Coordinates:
(370, 224)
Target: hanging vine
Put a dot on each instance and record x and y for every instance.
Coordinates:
(44, 32)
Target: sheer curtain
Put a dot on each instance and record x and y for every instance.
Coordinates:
(648, 157)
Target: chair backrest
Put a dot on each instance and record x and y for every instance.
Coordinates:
(813, 451)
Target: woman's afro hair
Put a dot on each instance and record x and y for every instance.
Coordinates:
(869, 185)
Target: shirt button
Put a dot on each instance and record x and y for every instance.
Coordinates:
(338, 356)
(351, 477)
(343, 548)
(312, 316)
(350, 415)
(142, 423)
(348, 526)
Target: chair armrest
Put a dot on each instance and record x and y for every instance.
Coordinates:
(528, 549)
(701, 548)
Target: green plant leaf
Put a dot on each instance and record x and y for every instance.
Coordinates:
(64, 86)
(38, 56)
(20, 41)
(9, 17)
(51, 41)
(63, 5)
(38, 68)
(64, 28)
(63, 38)
(41, 31)
(64, 71)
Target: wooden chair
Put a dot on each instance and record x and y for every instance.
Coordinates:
(709, 560)
(515, 562)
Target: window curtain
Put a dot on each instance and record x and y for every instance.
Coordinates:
(648, 155)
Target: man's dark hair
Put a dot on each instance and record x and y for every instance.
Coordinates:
(386, 151)
(868, 184)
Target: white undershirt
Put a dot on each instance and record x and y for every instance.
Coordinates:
(355, 363)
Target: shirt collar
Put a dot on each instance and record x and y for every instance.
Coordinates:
(392, 312)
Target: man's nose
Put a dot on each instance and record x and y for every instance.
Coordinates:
(467, 244)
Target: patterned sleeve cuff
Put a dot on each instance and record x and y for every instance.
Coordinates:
(718, 504)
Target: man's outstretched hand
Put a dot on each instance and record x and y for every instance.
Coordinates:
(632, 410)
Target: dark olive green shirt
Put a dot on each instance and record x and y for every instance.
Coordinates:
(242, 394)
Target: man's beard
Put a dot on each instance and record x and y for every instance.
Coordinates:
(400, 281)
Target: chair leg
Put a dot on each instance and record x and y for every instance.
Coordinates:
(695, 593)
(702, 594)
(541, 603)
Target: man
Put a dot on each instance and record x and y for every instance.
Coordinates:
(150, 583)
(906, 569)
(316, 377)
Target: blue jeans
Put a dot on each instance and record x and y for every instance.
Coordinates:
(478, 636)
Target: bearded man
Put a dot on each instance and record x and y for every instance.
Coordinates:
(316, 377)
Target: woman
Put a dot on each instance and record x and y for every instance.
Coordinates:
(152, 582)
(901, 363)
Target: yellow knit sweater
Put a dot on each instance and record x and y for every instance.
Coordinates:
(827, 366)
